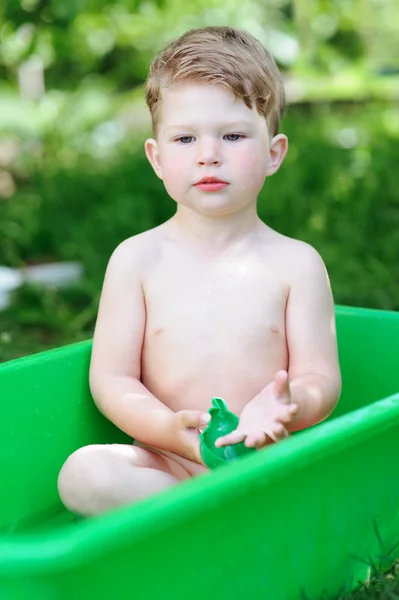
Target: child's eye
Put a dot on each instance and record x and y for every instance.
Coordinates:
(233, 137)
(185, 139)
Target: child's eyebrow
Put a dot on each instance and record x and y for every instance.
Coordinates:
(234, 125)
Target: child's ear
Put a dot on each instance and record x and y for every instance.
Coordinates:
(152, 153)
(277, 152)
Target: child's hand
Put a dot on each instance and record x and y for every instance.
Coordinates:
(264, 418)
(186, 426)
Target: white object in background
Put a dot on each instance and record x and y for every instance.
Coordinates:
(31, 78)
(10, 279)
(50, 275)
(53, 274)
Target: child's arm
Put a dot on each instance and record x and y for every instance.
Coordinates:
(115, 367)
(311, 389)
(314, 373)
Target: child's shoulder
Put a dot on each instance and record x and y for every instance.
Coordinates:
(136, 251)
(297, 254)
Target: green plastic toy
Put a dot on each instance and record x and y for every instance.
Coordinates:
(222, 422)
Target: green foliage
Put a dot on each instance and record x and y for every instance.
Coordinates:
(337, 34)
(115, 40)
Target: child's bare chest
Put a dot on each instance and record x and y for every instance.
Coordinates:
(223, 322)
(200, 305)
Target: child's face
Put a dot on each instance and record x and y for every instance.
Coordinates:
(204, 132)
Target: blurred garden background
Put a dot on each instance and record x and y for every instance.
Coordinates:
(74, 181)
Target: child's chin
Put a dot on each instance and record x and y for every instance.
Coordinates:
(216, 207)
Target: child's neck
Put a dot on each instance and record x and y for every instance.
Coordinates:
(216, 233)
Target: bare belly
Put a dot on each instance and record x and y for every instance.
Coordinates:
(187, 376)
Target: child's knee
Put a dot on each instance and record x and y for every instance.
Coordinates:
(82, 478)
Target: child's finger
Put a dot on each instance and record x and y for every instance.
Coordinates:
(281, 387)
(194, 418)
(235, 437)
(256, 439)
(287, 413)
(259, 438)
(279, 432)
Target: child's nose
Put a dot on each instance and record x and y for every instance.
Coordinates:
(209, 153)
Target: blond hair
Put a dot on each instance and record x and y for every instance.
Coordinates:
(224, 55)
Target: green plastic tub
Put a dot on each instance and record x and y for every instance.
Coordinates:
(309, 515)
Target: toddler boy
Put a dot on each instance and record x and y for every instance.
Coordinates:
(213, 302)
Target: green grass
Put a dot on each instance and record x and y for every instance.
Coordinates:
(40, 319)
(383, 586)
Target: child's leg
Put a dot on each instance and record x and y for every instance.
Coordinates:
(97, 478)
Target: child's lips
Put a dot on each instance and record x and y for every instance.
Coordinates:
(211, 185)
